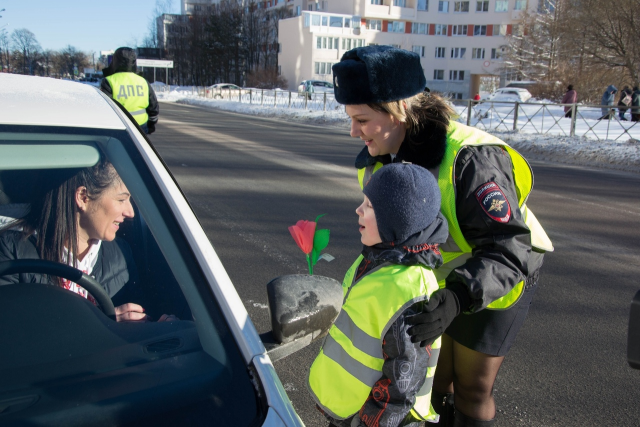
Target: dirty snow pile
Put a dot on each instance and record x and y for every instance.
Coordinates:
(623, 154)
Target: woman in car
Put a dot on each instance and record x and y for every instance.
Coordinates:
(75, 223)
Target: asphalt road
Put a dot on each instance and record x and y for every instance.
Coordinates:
(249, 178)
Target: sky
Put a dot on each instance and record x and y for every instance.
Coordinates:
(621, 152)
(89, 26)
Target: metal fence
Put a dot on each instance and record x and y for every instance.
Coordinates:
(585, 120)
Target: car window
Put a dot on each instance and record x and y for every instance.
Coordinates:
(63, 348)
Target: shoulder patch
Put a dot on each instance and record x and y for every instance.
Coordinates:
(493, 202)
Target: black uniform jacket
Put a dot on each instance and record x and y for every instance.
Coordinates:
(114, 268)
(502, 255)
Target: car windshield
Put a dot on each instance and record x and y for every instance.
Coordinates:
(69, 361)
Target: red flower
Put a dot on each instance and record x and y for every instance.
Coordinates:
(303, 233)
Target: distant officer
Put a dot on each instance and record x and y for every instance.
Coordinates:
(132, 91)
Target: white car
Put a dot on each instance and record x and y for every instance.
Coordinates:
(64, 360)
(501, 102)
(223, 90)
(510, 94)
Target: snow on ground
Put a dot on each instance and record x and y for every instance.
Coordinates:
(621, 154)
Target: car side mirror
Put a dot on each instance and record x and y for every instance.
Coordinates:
(302, 308)
(633, 341)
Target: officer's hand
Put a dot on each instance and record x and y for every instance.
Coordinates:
(151, 127)
(436, 316)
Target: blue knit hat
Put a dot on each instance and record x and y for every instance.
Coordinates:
(405, 200)
(375, 74)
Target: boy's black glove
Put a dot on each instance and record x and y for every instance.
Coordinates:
(436, 316)
(151, 127)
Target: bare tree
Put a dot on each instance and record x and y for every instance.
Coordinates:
(152, 38)
(5, 50)
(612, 35)
(25, 42)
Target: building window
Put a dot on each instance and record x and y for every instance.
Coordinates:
(322, 68)
(438, 74)
(459, 30)
(520, 5)
(335, 21)
(479, 30)
(440, 52)
(443, 6)
(441, 30)
(327, 43)
(419, 50)
(461, 6)
(279, 70)
(496, 54)
(477, 53)
(298, 10)
(502, 5)
(348, 44)
(482, 6)
(397, 46)
(374, 24)
(418, 28)
(396, 27)
(325, 21)
(423, 4)
(376, 1)
(400, 3)
(458, 52)
(456, 75)
(500, 30)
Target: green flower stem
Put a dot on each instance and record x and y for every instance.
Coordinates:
(310, 266)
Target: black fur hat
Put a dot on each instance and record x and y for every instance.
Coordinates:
(375, 74)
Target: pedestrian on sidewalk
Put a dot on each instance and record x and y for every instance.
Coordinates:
(607, 99)
(624, 102)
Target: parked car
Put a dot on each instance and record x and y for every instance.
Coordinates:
(502, 100)
(65, 360)
(310, 87)
(223, 90)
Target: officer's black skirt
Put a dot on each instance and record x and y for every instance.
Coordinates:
(492, 331)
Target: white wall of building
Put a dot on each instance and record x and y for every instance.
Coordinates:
(299, 38)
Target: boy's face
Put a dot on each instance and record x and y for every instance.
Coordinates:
(368, 224)
(381, 133)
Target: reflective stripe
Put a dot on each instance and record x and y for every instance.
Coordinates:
(359, 338)
(433, 359)
(137, 113)
(362, 373)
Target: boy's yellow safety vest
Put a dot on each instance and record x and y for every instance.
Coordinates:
(456, 250)
(350, 362)
(132, 91)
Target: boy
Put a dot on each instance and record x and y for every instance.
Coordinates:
(368, 371)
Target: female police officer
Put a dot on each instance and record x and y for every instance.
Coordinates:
(495, 246)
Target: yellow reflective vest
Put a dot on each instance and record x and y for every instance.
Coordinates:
(350, 362)
(132, 91)
(456, 250)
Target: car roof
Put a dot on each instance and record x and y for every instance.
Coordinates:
(43, 101)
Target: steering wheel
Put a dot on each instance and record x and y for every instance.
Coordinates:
(66, 272)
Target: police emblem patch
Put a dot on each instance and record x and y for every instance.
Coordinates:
(493, 202)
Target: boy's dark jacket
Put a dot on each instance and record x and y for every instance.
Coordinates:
(502, 251)
(419, 249)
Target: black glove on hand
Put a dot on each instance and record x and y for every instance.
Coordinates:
(151, 127)
(436, 316)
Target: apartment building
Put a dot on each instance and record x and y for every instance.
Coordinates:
(459, 42)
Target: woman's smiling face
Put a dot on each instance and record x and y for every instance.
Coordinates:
(100, 219)
(381, 133)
